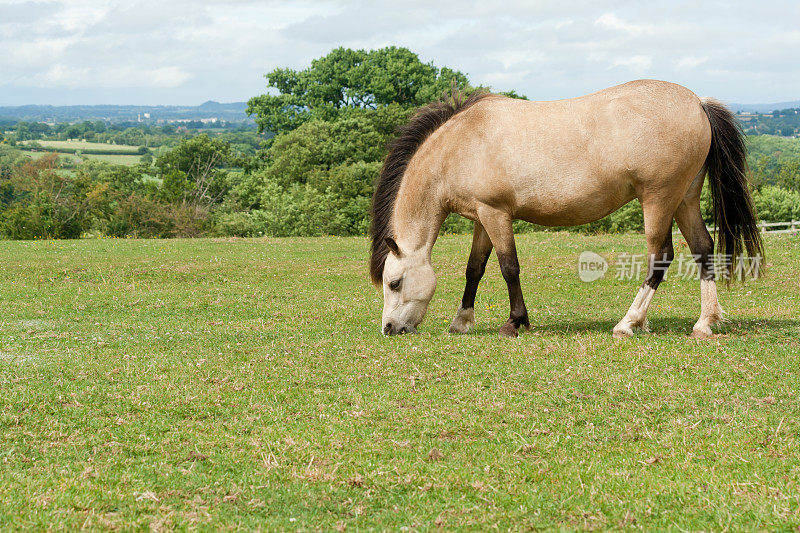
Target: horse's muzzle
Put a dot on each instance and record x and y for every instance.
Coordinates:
(392, 329)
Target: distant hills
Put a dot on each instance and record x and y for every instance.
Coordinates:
(231, 112)
(765, 108)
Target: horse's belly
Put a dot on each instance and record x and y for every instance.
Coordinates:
(571, 201)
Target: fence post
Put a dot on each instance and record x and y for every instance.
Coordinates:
(763, 227)
(794, 223)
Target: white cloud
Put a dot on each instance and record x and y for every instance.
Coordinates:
(77, 15)
(191, 50)
(61, 75)
(168, 77)
(613, 22)
(112, 77)
(37, 52)
(639, 64)
(689, 62)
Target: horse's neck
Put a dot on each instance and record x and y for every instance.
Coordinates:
(418, 215)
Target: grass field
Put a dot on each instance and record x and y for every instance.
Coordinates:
(37, 154)
(117, 159)
(80, 145)
(238, 384)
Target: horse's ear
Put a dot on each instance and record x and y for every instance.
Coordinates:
(393, 246)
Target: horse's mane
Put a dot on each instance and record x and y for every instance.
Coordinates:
(410, 137)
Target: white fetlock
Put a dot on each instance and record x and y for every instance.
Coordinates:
(464, 320)
(711, 311)
(636, 317)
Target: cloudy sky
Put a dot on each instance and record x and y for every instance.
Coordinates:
(187, 52)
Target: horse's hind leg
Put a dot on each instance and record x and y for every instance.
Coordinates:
(691, 224)
(658, 231)
(476, 266)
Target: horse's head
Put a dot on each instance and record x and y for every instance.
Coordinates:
(408, 286)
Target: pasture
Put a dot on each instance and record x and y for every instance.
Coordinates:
(68, 158)
(116, 159)
(127, 155)
(83, 145)
(243, 383)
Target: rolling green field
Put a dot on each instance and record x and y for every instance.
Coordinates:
(117, 159)
(37, 155)
(243, 384)
(127, 155)
(80, 145)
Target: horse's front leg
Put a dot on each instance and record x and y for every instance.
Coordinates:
(476, 266)
(497, 224)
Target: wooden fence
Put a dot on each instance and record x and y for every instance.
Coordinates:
(766, 227)
(791, 227)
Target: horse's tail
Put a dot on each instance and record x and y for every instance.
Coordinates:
(734, 215)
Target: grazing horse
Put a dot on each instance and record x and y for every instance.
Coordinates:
(494, 159)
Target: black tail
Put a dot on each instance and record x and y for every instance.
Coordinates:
(734, 215)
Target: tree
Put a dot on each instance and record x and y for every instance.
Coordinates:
(513, 94)
(332, 122)
(788, 175)
(49, 203)
(192, 173)
(355, 79)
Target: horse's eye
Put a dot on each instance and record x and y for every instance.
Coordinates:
(395, 285)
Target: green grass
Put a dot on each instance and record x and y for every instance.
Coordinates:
(117, 159)
(80, 145)
(37, 155)
(127, 155)
(243, 384)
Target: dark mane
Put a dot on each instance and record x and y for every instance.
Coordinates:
(410, 137)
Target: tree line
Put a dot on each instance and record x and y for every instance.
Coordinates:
(310, 169)
(23, 133)
(783, 122)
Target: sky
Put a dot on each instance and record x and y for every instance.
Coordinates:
(64, 52)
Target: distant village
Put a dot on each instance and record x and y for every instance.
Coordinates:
(784, 123)
(209, 114)
(146, 118)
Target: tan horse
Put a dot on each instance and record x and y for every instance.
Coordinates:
(494, 159)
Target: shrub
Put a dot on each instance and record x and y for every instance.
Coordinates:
(142, 217)
(238, 224)
(47, 203)
(775, 204)
(137, 216)
(41, 220)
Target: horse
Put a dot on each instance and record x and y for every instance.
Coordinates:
(494, 159)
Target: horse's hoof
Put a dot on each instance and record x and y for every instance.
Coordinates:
(464, 320)
(458, 328)
(622, 333)
(701, 334)
(508, 331)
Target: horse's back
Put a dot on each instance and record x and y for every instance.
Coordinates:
(574, 160)
(626, 126)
